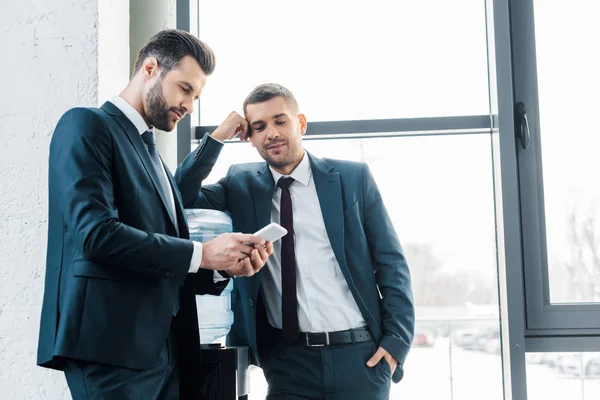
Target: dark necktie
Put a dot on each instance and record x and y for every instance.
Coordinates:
(289, 300)
(165, 187)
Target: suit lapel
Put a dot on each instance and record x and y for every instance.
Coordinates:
(140, 148)
(262, 195)
(329, 192)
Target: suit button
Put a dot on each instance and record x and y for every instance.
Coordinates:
(251, 302)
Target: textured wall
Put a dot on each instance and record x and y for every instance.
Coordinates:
(49, 63)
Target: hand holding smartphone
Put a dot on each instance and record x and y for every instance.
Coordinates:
(271, 232)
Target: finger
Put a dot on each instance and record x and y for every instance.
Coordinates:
(242, 250)
(247, 269)
(373, 361)
(257, 262)
(242, 128)
(261, 259)
(247, 238)
(269, 248)
(239, 129)
(244, 132)
(392, 362)
(263, 254)
(237, 269)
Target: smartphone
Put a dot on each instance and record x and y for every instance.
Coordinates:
(272, 232)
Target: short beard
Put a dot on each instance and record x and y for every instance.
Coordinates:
(157, 111)
(277, 164)
(281, 163)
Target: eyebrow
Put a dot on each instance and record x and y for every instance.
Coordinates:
(189, 85)
(260, 121)
(190, 88)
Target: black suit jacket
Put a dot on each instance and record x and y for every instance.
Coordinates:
(115, 262)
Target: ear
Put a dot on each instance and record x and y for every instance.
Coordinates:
(149, 67)
(251, 142)
(303, 123)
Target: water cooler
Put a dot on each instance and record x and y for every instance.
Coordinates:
(225, 369)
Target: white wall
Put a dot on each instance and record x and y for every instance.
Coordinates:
(147, 18)
(113, 48)
(49, 63)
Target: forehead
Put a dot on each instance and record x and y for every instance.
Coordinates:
(267, 109)
(188, 70)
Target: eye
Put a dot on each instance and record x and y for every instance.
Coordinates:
(184, 89)
(258, 128)
(280, 122)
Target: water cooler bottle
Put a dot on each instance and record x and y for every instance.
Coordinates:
(225, 369)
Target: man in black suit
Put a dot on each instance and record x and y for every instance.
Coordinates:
(119, 314)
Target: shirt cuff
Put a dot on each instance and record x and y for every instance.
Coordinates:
(196, 258)
(217, 277)
(216, 140)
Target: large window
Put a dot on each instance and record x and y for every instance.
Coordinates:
(568, 69)
(349, 60)
(411, 85)
(471, 191)
(560, 200)
(438, 190)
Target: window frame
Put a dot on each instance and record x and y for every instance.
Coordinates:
(544, 319)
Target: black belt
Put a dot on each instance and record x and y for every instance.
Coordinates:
(319, 339)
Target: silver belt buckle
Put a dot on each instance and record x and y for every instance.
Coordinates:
(308, 344)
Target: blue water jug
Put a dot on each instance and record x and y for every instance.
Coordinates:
(214, 312)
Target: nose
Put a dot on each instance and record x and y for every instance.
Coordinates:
(272, 133)
(188, 106)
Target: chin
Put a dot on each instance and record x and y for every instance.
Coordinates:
(278, 163)
(168, 128)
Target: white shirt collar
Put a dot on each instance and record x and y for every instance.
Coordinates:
(301, 174)
(131, 113)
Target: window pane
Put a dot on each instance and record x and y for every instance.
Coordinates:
(439, 193)
(572, 376)
(567, 66)
(348, 61)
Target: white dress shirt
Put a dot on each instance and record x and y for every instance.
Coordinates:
(134, 116)
(325, 303)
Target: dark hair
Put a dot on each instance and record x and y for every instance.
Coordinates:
(268, 91)
(170, 46)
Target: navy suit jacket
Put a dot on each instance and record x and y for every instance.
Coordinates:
(359, 229)
(115, 262)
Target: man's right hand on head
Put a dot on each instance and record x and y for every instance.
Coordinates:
(228, 250)
(233, 126)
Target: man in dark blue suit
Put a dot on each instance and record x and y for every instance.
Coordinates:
(119, 314)
(332, 316)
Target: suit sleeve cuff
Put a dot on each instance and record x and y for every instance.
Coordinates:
(196, 258)
(399, 350)
(216, 140)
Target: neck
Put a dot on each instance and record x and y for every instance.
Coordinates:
(289, 168)
(134, 96)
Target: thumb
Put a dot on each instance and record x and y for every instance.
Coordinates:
(373, 361)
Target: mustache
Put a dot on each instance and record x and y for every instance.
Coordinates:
(274, 143)
(180, 111)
